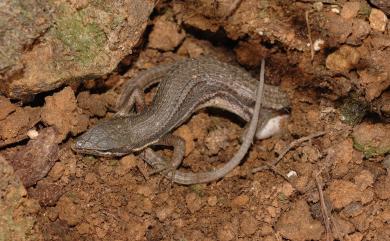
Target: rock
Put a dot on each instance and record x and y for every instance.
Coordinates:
(185, 133)
(194, 48)
(360, 30)
(15, 126)
(194, 202)
(59, 43)
(217, 140)
(297, 224)
(166, 34)
(374, 83)
(372, 139)
(286, 189)
(68, 211)
(343, 59)
(382, 187)
(94, 104)
(90, 178)
(57, 171)
(350, 10)
(352, 210)
(339, 28)
(61, 111)
(341, 155)
(226, 232)
(263, 20)
(378, 20)
(382, 106)
(47, 193)
(341, 193)
(18, 212)
(212, 201)
(248, 224)
(250, 53)
(125, 164)
(164, 212)
(384, 5)
(240, 201)
(6, 107)
(35, 160)
(356, 236)
(364, 179)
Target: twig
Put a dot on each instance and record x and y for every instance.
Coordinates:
(287, 149)
(309, 33)
(324, 209)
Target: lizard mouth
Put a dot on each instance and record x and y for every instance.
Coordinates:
(104, 153)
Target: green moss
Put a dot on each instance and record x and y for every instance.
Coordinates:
(264, 9)
(365, 10)
(282, 197)
(370, 151)
(198, 189)
(84, 39)
(353, 110)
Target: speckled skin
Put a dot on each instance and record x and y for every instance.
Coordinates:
(185, 87)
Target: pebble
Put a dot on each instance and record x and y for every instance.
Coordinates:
(298, 224)
(226, 232)
(57, 171)
(90, 178)
(343, 59)
(356, 236)
(378, 20)
(166, 35)
(350, 10)
(194, 202)
(68, 211)
(185, 133)
(382, 187)
(248, 225)
(212, 201)
(341, 193)
(32, 134)
(364, 179)
(164, 212)
(272, 127)
(240, 201)
(125, 164)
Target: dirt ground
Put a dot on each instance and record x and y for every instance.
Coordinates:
(331, 58)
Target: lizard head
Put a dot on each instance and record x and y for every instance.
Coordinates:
(105, 139)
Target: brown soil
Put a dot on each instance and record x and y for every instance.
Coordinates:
(332, 187)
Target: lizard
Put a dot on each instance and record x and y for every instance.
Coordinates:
(185, 87)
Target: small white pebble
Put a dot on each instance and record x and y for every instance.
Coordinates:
(33, 134)
(272, 127)
(318, 44)
(335, 9)
(260, 32)
(292, 174)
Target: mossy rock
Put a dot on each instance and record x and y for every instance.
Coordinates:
(372, 139)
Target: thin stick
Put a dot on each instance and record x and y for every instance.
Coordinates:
(309, 34)
(287, 149)
(324, 209)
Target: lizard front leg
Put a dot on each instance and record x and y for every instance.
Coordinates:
(179, 148)
(133, 90)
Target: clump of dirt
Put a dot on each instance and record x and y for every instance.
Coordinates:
(331, 59)
(18, 212)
